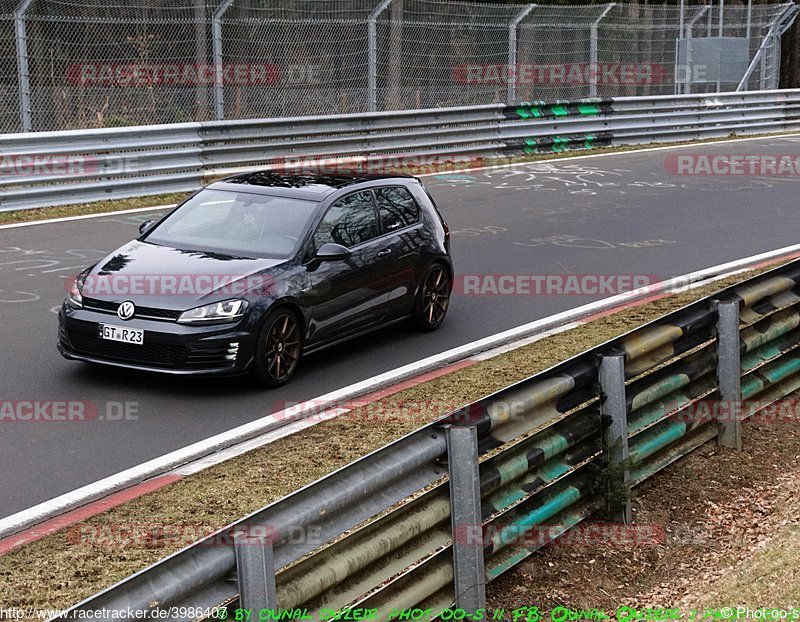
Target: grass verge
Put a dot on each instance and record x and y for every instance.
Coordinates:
(96, 207)
(58, 571)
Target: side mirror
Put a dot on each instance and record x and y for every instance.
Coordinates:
(331, 250)
(145, 226)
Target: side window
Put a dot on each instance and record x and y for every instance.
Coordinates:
(349, 221)
(396, 208)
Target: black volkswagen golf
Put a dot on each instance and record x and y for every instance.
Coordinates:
(254, 271)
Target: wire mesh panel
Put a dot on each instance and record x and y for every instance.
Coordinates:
(104, 63)
(315, 57)
(639, 41)
(442, 54)
(555, 52)
(9, 90)
(107, 65)
(757, 27)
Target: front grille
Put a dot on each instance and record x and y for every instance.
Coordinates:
(153, 354)
(93, 304)
(168, 356)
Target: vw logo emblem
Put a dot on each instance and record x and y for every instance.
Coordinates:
(125, 310)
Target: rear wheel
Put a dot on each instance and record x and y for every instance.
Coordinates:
(433, 298)
(278, 349)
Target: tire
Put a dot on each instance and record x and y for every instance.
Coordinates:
(433, 298)
(278, 350)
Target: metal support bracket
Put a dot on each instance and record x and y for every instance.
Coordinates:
(255, 572)
(511, 92)
(216, 50)
(23, 74)
(613, 409)
(372, 42)
(687, 69)
(465, 516)
(593, 50)
(765, 42)
(729, 410)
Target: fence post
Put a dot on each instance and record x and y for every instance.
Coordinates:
(614, 412)
(687, 70)
(372, 42)
(759, 55)
(23, 74)
(465, 516)
(216, 51)
(593, 50)
(511, 73)
(255, 572)
(729, 375)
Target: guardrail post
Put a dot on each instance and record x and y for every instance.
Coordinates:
(23, 74)
(613, 409)
(593, 50)
(511, 92)
(465, 516)
(728, 413)
(255, 572)
(216, 51)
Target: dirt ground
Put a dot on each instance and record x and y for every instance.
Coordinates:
(732, 536)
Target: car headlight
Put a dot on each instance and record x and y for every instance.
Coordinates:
(75, 294)
(226, 311)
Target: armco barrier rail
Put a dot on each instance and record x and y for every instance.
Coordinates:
(389, 532)
(58, 168)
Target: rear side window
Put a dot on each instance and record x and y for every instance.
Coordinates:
(396, 208)
(349, 221)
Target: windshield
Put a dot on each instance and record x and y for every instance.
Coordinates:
(237, 223)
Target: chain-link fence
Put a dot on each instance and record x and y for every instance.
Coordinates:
(99, 63)
(9, 93)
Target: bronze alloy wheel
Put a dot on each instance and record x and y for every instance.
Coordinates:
(279, 349)
(434, 298)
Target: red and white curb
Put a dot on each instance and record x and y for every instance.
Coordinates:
(45, 518)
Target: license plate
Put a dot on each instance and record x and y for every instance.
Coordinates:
(119, 333)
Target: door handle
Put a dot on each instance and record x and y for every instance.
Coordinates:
(384, 252)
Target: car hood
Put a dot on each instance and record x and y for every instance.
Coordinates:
(170, 278)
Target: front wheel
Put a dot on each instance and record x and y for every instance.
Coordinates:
(433, 298)
(278, 349)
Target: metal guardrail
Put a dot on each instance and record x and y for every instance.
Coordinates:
(58, 168)
(391, 533)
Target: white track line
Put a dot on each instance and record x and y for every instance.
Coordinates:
(258, 428)
(454, 172)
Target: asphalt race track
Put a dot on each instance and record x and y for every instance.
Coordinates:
(619, 214)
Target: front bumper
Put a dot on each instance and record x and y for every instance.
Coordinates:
(168, 347)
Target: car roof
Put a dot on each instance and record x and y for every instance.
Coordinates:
(310, 186)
